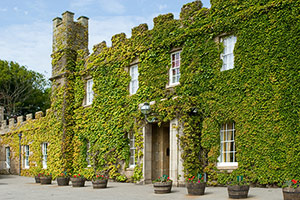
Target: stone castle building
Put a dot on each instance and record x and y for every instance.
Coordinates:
(222, 84)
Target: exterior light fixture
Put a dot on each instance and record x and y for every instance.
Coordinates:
(20, 137)
(146, 110)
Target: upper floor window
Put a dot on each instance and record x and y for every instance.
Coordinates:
(26, 157)
(134, 83)
(174, 73)
(7, 157)
(44, 154)
(89, 92)
(132, 150)
(227, 55)
(227, 146)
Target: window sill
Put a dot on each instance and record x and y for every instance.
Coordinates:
(172, 85)
(87, 105)
(130, 168)
(227, 166)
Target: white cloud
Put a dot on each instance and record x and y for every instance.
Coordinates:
(29, 45)
(16, 9)
(162, 7)
(3, 9)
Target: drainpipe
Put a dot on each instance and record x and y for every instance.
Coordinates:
(20, 137)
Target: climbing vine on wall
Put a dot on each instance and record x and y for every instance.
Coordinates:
(261, 94)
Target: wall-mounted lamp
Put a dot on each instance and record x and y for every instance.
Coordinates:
(146, 110)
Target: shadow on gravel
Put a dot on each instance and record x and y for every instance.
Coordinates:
(3, 183)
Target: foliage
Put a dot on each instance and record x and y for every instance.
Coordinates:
(63, 174)
(291, 183)
(162, 179)
(77, 176)
(22, 91)
(260, 94)
(101, 176)
(198, 179)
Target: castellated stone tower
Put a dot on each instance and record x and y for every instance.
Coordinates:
(68, 37)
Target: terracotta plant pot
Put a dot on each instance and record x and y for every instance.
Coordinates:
(63, 181)
(162, 187)
(196, 188)
(46, 180)
(99, 183)
(291, 193)
(37, 179)
(78, 182)
(237, 191)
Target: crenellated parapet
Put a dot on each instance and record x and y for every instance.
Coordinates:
(15, 123)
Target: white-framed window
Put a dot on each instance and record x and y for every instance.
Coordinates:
(89, 92)
(7, 157)
(227, 55)
(227, 146)
(88, 154)
(174, 72)
(26, 156)
(44, 154)
(132, 150)
(134, 83)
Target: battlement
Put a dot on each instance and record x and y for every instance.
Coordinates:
(8, 125)
(69, 34)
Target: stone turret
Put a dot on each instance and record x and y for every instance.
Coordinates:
(69, 36)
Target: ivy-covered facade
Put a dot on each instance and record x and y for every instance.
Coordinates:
(222, 83)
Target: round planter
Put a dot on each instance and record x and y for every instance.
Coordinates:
(46, 180)
(162, 188)
(237, 191)
(78, 182)
(195, 188)
(99, 184)
(63, 181)
(291, 193)
(37, 179)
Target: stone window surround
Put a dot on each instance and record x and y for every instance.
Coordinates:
(84, 103)
(174, 50)
(227, 165)
(218, 40)
(26, 156)
(44, 154)
(127, 69)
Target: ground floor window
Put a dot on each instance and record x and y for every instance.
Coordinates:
(26, 157)
(132, 150)
(227, 146)
(44, 153)
(7, 157)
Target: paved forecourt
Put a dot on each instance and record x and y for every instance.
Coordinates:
(23, 188)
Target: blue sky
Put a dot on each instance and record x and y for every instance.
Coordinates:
(26, 25)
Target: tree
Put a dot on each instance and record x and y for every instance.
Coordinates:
(22, 91)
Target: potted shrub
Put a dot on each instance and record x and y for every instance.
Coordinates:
(196, 185)
(37, 172)
(162, 185)
(63, 179)
(37, 178)
(78, 180)
(291, 190)
(45, 178)
(238, 189)
(100, 180)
